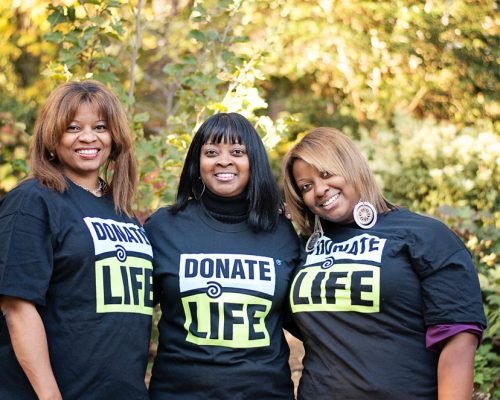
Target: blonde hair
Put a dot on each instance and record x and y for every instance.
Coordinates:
(329, 150)
(58, 112)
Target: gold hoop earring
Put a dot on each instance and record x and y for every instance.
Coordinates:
(202, 191)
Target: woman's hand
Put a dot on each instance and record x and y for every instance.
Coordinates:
(456, 367)
(29, 341)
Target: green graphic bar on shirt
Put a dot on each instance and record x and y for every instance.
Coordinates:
(340, 287)
(124, 286)
(234, 320)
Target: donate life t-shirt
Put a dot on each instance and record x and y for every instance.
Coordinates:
(223, 295)
(363, 301)
(89, 273)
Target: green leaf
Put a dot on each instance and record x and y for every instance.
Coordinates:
(89, 32)
(197, 35)
(212, 35)
(102, 63)
(198, 19)
(141, 117)
(118, 27)
(114, 62)
(173, 69)
(113, 35)
(199, 8)
(99, 21)
(227, 55)
(57, 16)
(106, 77)
(104, 38)
(71, 14)
(55, 37)
(240, 39)
(73, 38)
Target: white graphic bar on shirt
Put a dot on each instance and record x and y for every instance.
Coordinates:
(214, 272)
(114, 236)
(364, 247)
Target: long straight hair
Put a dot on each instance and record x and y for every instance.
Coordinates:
(58, 112)
(329, 150)
(263, 192)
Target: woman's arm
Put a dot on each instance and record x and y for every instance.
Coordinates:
(456, 367)
(29, 341)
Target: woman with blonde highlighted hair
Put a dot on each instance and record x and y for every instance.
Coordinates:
(331, 152)
(387, 301)
(75, 264)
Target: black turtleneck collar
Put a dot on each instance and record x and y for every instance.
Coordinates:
(230, 210)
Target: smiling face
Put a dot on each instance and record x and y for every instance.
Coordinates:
(84, 146)
(328, 196)
(224, 168)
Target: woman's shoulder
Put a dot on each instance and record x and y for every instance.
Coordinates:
(411, 219)
(28, 186)
(285, 224)
(167, 214)
(285, 231)
(156, 216)
(421, 227)
(27, 196)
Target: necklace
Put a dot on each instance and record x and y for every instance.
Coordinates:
(99, 188)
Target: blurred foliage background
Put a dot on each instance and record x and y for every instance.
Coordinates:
(415, 83)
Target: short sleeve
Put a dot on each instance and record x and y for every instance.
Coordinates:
(26, 256)
(437, 335)
(449, 281)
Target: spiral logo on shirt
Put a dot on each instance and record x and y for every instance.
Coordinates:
(121, 253)
(328, 263)
(214, 289)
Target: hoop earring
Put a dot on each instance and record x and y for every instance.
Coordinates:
(365, 214)
(52, 156)
(315, 236)
(202, 191)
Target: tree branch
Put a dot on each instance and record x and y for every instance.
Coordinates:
(133, 60)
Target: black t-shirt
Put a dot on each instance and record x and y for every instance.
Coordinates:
(364, 299)
(89, 273)
(224, 290)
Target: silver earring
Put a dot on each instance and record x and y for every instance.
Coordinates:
(202, 191)
(52, 156)
(317, 233)
(365, 214)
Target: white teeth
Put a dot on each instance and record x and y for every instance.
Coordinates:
(330, 200)
(225, 176)
(87, 151)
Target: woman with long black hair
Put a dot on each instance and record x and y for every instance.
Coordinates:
(223, 259)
